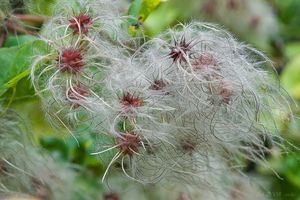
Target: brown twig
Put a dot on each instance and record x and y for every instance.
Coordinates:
(31, 18)
(12, 26)
(3, 35)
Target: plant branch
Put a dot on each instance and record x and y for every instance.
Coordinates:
(11, 26)
(31, 18)
(3, 35)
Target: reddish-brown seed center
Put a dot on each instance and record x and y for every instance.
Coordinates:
(236, 193)
(203, 60)
(3, 167)
(232, 4)
(130, 100)
(182, 196)
(226, 95)
(79, 24)
(70, 60)
(254, 22)
(188, 145)
(222, 91)
(179, 51)
(209, 7)
(128, 143)
(158, 84)
(111, 196)
(77, 92)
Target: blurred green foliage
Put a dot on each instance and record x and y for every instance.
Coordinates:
(288, 17)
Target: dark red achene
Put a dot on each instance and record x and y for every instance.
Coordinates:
(188, 145)
(129, 143)
(77, 92)
(158, 84)
(254, 22)
(233, 4)
(222, 91)
(203, 60)
(226, 94)
(111, 196)
(70, 60)
(178, 51)
(3, 167)
(79, 24)
(130, 100)
(209, 7)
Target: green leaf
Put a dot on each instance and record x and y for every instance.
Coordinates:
(15, 63)
(290, 168)
(291, 77)
(289, 17)
(138, 12)
(16, 40)
(94, 166)
(7, 56)
(292, 49)
(166, 14)
(135, 8)
(33, 116)
(56, 146)
(44, 7)
(147, 7)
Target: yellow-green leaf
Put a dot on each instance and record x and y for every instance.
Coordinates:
(147, 7)
(291, 77)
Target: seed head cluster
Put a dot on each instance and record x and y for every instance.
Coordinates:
(186, 106)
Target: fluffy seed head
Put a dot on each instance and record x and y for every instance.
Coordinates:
(79, 24)
(70, 60)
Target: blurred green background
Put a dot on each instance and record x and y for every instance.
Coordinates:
(272, 26)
